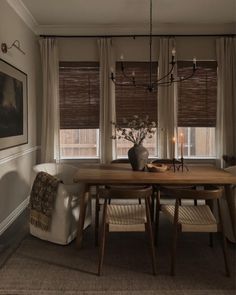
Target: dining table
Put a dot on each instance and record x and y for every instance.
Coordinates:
(103, 174)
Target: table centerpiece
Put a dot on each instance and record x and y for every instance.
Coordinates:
(137, 130)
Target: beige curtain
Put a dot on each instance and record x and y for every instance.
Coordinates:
(226, 98)
(166, 102)
(107, 101)
(50, 148)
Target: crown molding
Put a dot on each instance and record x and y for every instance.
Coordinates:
(24, 14)
(165, 29)
(117, 29)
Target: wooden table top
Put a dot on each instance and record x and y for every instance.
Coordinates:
(123, 173)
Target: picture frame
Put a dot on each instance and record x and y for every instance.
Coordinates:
(13, 106)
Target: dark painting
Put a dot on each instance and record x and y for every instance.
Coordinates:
(11, 106)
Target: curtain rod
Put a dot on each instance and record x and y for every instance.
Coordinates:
(134, 36)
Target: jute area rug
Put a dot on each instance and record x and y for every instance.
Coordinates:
(39, 268)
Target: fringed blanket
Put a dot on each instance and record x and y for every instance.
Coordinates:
(42, 200)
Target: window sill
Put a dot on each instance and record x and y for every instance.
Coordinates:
(80, 160)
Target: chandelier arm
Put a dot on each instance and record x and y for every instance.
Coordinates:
(170, 71)
(163, 84)
(142, 85)
(185, 78)
(132, 80)
(168, 83)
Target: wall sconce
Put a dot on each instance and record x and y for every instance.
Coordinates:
(15, 44)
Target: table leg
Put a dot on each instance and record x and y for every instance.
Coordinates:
(83, 206)
(229, 195)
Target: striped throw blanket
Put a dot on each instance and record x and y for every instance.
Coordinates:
(42, 200)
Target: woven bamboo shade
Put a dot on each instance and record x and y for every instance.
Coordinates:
(197, 96)
(79, 95)
(132, 100)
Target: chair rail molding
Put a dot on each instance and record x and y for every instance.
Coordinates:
(19, 154)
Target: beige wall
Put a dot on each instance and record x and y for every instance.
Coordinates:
(16, 163)
(85, 49)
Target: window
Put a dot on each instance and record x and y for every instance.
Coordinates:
(79, 109)
(197, 109)
(132, 101)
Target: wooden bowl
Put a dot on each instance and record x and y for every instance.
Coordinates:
(157, 167)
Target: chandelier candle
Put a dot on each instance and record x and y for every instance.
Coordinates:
(173, 139)
(181, 145)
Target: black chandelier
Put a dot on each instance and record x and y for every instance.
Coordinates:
(153, 83)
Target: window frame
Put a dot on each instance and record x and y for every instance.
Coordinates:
(80, 67)
(214, 65)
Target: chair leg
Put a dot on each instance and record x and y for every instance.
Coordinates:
(195, 202)
(103, 238)
(225, 252)
(149, 230)
(175, 237)
(97, 209)
(211, 240)
(224, 242)
(157, 216)
(152, 211)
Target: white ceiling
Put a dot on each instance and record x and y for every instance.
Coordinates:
(132, 15)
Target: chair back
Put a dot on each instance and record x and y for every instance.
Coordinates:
(231, 169)
(165, 161)
(126, 192)
(208, 193)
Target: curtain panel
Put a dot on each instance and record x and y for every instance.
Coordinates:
(50, 141)
(107, 101)
(166, 102)
(226, 98)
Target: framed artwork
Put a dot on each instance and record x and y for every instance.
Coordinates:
(13, 106)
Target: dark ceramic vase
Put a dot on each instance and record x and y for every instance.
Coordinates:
(138, 157)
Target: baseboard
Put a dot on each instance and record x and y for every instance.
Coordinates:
(13, 216)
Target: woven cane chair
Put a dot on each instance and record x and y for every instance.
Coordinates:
(126, 217)
(157, 187)
(98, 204)
(194, 218)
